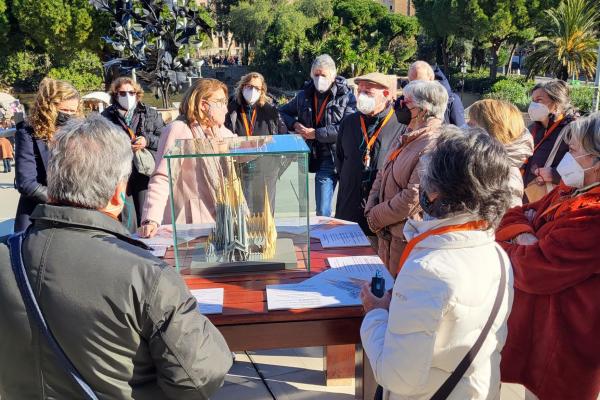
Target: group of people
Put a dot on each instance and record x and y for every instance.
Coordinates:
(488, 227)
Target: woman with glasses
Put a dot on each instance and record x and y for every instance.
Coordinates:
(142, 124)
(202, 116)
(250, 111)
(55, 103)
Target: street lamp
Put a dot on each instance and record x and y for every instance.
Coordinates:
(463, 72)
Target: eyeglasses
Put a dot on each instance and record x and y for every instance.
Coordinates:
(252, 87)
(219, 102)
(124, 93)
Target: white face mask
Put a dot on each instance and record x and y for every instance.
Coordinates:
(251, 95)
(365, 103)
(571, 172)
(538, 111)
(322, 84)
(128, 101)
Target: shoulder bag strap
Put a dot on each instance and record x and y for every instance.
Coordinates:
(15, 244)
(447, 387)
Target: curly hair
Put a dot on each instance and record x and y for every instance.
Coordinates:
(124, 80)
(45, 109)
(239, 96)
(469, 170)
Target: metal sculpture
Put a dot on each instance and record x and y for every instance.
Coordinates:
(150, 36)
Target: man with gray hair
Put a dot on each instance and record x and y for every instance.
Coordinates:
(315, 114)
(125, 321)
(422, 71)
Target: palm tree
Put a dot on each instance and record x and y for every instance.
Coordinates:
(570, 42)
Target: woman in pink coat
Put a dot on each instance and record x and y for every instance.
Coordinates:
(195, 181)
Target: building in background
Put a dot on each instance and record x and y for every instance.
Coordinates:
(220, 43)
(404, 7)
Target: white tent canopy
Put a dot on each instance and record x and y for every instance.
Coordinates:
(98, 96)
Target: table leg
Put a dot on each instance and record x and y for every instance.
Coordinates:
(366, 385)
(339, 364)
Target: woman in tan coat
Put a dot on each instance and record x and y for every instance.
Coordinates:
(6, 153)
(395, 194)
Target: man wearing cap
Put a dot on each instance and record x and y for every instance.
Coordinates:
(362, 144)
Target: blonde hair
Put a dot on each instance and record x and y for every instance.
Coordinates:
(45, 109)
(201, 90)
(124, 80)
(239, 96)
(501, 119)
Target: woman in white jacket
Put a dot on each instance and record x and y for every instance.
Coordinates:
(417, 334)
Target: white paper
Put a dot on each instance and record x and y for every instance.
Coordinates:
(159, 251)
(210, 301)
(336, 287)
(343, 236)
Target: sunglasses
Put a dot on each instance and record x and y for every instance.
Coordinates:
(124, 93)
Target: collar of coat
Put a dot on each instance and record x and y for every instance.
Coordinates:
(67, 216)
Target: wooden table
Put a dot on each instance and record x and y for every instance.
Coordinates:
(247, 324)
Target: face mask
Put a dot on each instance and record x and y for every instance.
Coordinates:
(128, 102)
(322, 84)
(251, 95)
(403, 115)
(538, 111)
(365, 103)
(571, 172)
(62, 118)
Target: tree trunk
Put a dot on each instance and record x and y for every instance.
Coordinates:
(446, 56)
(494, 63)
(512, 54)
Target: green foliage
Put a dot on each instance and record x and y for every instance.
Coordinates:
(569, 45)
(249, 22)
(511, 90)
(23, 69)
(582, 98)
(84, 71)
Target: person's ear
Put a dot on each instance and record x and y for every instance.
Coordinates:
(118, 197)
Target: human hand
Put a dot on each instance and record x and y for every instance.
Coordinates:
(139, 143)
(530, 215)
(526, 239)
(148, 229)
(370, 301)
(299, 128)
(309, 133)
(543, 175)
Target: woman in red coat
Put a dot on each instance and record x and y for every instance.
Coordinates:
(554, 245)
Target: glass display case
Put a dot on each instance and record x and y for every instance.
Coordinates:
(239, 205)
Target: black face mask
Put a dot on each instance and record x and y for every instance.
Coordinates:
(427, 205)
(62, 118)
(403, 115)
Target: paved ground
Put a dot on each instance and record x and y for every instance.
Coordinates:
(290, 374)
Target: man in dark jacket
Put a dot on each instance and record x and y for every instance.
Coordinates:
(316, 113)
(125, 320)
(362, 145)
(420, 70)
(142, 124)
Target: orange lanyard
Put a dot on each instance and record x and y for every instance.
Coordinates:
(370, 141)
(469, 226)
(321, 110)
(249, 129)
(546, 136)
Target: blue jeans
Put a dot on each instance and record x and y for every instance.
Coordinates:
(325, 181)
(6, 162)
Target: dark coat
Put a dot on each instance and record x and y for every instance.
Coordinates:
(268, 121)
(541, 154)
(149, 123)
(455, 112)
(31, 160)
(300, 109)
(354, 182)
(127, 322)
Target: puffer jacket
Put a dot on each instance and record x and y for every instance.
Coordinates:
(301, 109)
(518, 152)
(268, 121)
(441, 299)
(125, 319)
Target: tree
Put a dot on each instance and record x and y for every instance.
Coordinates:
(249, 23)
(570, 42)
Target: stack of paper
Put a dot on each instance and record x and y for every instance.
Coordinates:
(164, 236)
(210, 301)
(336, 287)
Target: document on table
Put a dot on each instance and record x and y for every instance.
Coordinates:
(210, 301)
(343, 236)
(336, 287)
(164, 236)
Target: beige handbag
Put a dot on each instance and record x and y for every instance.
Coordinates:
(535, 191)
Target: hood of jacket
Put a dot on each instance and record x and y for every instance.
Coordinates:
(520, 149)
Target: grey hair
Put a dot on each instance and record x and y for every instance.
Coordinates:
(326, 62)
(429, 96)
(469, 170)
(586, 132)
(559, 93)
(423, 67)
(89, 157)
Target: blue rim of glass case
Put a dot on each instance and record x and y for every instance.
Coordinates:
(275, 144)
